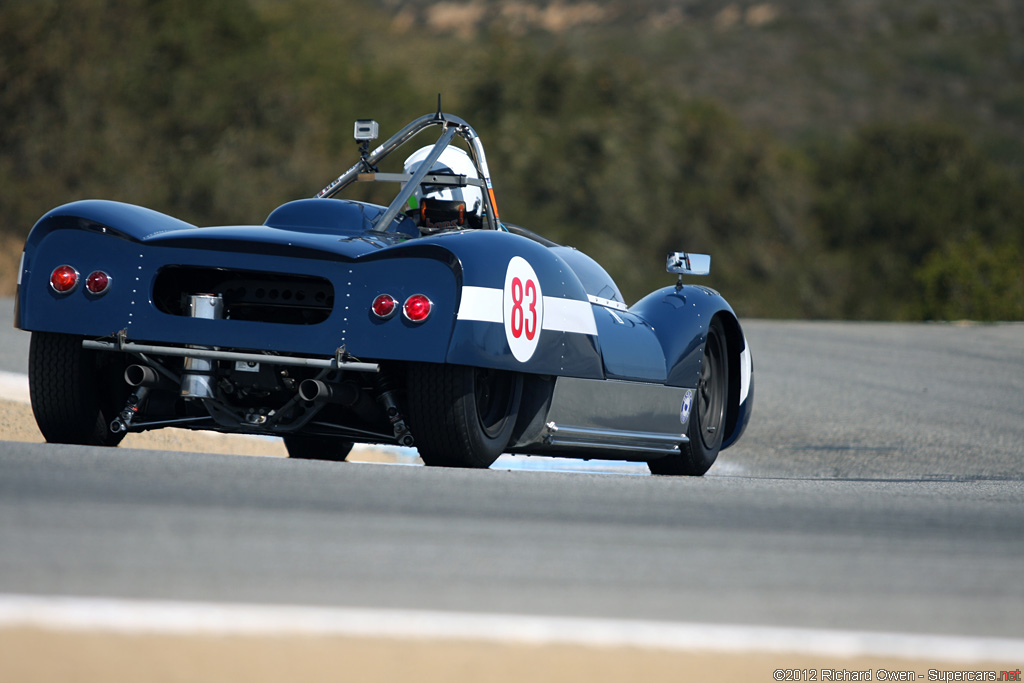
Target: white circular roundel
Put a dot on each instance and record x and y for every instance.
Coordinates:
(684, 411)
(524, 308)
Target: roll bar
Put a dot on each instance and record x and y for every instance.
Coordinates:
(452, 126)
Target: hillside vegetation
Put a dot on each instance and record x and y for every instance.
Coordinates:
(850, 159)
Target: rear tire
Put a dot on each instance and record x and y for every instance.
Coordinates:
(329, 448)
(462, 416)
(706, 427)
(75, 392)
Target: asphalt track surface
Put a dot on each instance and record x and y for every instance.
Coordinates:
(878, 488)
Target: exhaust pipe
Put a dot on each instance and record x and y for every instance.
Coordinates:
(347, 394)
(197, 380)
(141, 376)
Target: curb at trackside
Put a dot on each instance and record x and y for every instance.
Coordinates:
(115, 615)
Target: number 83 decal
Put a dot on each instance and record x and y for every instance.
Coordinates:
(523, 315)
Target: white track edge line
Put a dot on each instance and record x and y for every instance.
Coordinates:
(14, 386)
(79, 614)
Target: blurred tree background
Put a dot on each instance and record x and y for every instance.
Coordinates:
(856, 159)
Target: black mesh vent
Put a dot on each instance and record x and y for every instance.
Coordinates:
(248, 295)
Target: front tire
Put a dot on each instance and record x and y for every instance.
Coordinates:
(706, 428)
(75, 392)
(462, 416)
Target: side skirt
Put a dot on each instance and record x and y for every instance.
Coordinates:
(611, 420)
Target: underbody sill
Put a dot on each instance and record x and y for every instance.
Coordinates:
(611, 439)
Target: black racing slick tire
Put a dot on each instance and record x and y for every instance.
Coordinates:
(462, 416)
(303, 447)
(706, 427)
(75, 392)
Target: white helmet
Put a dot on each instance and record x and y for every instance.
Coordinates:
(452, 161)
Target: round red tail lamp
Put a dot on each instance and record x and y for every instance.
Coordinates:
(64, 279)
(417, 308)
(384, 306)
(98, 282)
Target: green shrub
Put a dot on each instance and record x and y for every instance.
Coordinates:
(898, 194)
(969, 279)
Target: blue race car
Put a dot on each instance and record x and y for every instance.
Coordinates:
(429, 322)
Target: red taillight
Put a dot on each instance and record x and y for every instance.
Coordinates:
(384, 306)
(98, 282)
(417, 308)
(63, 279)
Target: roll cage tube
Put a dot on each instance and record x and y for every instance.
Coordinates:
(406, 192)
(452, 125)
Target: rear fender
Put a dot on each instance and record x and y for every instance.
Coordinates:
(112, 218)
(521, 307)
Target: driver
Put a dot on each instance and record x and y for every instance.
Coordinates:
(445, 207)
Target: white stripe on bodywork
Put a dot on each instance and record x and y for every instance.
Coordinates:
(746, 367)
(485, 304)
(569, 315)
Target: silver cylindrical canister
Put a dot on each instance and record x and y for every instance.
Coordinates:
(197, 380)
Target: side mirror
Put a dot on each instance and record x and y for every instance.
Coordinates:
(683, 263)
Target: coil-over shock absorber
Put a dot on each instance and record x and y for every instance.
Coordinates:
(386, 389)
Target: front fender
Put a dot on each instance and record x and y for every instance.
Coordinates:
(680, 317)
